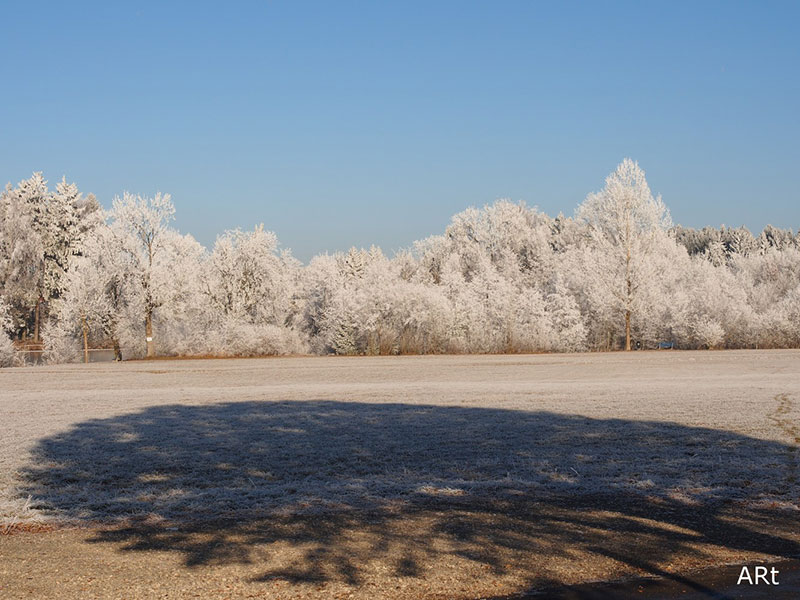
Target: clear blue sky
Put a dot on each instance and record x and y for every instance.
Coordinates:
(341, 123)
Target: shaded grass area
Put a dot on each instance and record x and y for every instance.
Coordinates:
(322, 491)
(536, 544)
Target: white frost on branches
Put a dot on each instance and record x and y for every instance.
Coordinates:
(502, 278)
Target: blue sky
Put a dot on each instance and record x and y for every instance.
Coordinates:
(353, 123)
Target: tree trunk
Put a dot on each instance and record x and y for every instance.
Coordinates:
(36, 320)
(627, 329)
(85, 328)
(117, 349)
(628, 282)
(148, 329)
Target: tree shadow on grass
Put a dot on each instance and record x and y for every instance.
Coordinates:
(324, 491)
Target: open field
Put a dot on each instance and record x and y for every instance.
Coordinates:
(445, 477)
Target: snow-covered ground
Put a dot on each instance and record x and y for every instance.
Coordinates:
(189, 439)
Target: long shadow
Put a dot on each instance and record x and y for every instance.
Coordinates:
(333, 487)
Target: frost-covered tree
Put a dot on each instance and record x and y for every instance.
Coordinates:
(248, 278)
(70, 217)
(501, 278)
(250, 289)
(773, 237)
(40, 233)
(141, 226)
(22, 248)
(566, 319)
(98, 289)
(625, 222)
(181, 315)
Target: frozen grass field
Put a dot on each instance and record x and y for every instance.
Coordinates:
(452, 476)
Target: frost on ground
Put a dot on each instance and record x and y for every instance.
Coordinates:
(442, 476)
(179, 440)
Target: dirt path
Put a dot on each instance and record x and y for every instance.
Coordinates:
(716, 583)
(458, 550)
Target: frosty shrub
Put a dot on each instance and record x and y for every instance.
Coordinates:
(568, 327)
(233, 338)
(5, 317)
(61, 344)
(244, 339)
(708, 333)
(7, 353)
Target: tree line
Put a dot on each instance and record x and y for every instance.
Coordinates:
(504, 278)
